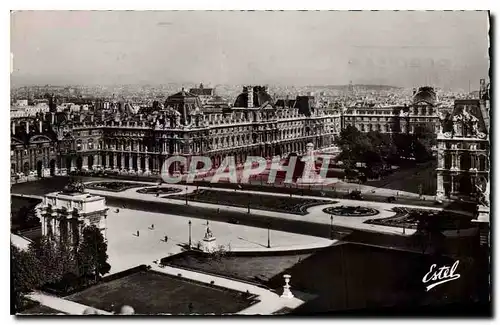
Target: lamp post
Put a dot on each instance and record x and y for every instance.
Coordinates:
(189, 234)
(248, 205)
(186, 195)
(269, 235)
(331, 226)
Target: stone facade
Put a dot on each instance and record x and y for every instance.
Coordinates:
(463, 150)
(64, 215)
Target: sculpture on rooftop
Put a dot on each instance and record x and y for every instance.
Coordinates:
(74, 187)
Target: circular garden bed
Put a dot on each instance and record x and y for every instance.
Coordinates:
(351, 211)
(159, 190)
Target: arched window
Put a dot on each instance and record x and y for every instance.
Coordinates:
(483, 163)
(447, 161)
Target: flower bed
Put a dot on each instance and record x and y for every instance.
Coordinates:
(113, 186)
(351, 211)
(159, 190)
(408, 218)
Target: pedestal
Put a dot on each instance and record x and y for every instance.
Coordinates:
(209, 244)
(286, 288)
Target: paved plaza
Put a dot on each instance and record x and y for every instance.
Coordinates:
(126, 249)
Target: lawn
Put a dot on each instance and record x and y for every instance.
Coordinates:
(258, 268)
(151, 292)
(282, 204)
(46, 185)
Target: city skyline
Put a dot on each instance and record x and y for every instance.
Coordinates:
(403, 49)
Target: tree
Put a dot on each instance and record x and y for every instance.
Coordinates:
(357, 147)
(27, 274)
(92, 257)
(56, 259)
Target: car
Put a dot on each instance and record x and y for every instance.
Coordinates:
(355, 195)
(234, 221)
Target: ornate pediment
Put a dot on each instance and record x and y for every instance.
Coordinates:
(39, 139)
(15, 142)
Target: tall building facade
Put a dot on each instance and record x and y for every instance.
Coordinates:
(421, 111)
(139, 144)
(463, 149)
(256, 124)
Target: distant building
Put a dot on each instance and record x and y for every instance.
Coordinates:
(205, 94)
(403, 118)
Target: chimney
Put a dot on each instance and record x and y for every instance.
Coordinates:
(250, 97)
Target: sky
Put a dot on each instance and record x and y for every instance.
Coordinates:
(406, 49)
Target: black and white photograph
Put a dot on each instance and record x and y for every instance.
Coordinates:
(277, 163)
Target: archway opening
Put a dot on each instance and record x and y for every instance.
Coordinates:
(68, 164)
(142, 163)
(26, 168)
(465, 185)
(39, 168)
(90, 161)
(52, 166)
(79, 163)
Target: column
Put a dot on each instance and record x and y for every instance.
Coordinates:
(130, 162)
(440, 186)
(452, 189)
(146, 163)
(85, 162)
(96, 162)
(73, 164)
(123, 160)
(115, 161)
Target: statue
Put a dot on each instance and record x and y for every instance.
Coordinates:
(74, 187)
(442, 121)
(474, 125)
(484, 196)
(208, 233)
(457, 130)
